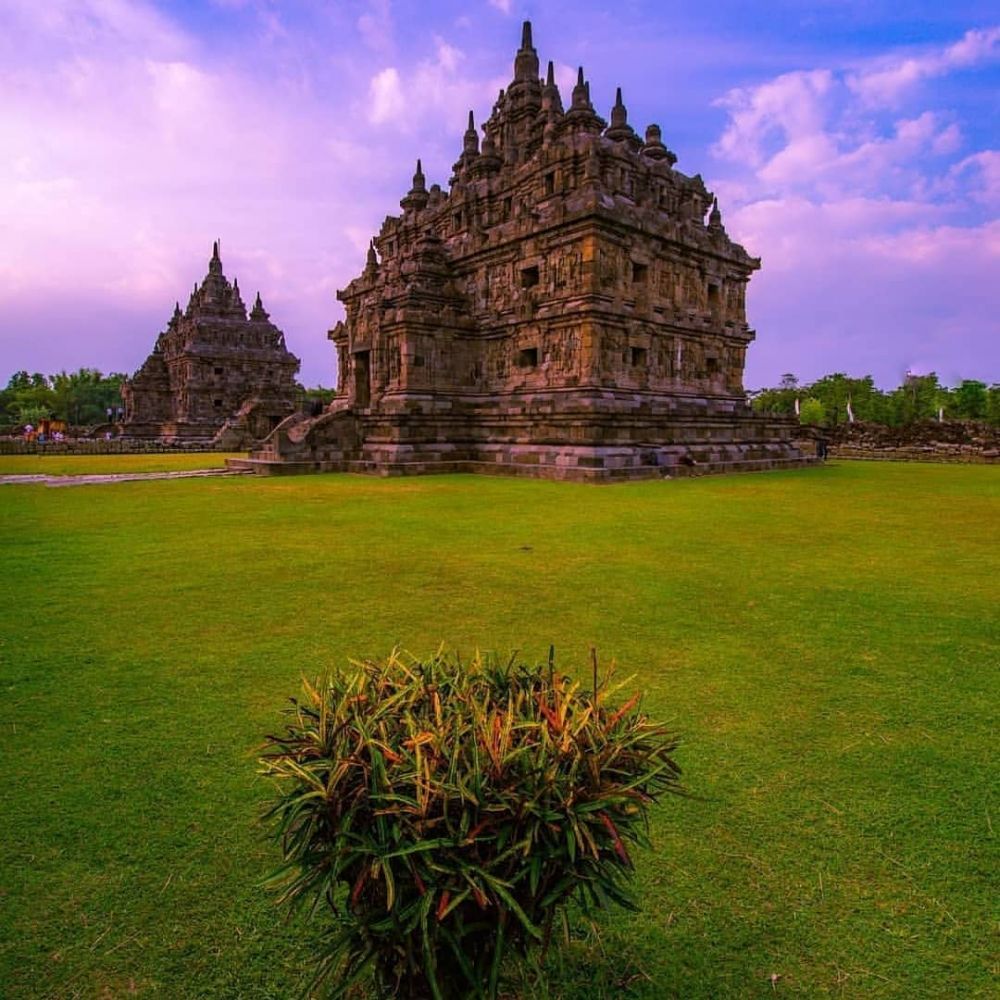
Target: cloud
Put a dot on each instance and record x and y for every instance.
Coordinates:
(866, 220)
(979, 176)
(376, 26)
(387, 101)
(790, 109)
(435, 88)
(888, 80)
(503, 6)
(128, 153)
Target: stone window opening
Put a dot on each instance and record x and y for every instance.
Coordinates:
(712, 365)
(217, 403)
(217, 370)
(527, 357)
(457, 220)
(640, 272)
(508, 204)
(529, 276)
(550, 182)
(639, 356)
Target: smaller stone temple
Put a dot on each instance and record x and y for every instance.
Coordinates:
(216, 374)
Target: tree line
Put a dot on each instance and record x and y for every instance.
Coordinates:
(835, 399)
(84, 397)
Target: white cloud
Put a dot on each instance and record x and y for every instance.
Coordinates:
(503, 6)
(387, 101)
(792, 107)
(888, 80)
(979, 175)
(435, 88)
(864, 220)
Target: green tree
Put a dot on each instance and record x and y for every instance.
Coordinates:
(916, 399)
(812, 411)
(971, 400)
(31, 413)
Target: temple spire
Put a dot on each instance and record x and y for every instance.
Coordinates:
(215, 264)
(258, 312)
(654, 148)
(551, 98)
(620, 130)
(581, 114)
(470, 145)
(715, 218)
(581, 94)
(416, 197)
(526, 60)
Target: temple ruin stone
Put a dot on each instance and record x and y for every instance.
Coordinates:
(216, 373)
(564, 309)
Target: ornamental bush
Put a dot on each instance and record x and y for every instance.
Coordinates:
(441, 813)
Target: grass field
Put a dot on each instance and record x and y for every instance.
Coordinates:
(80, 465)
(826, 641)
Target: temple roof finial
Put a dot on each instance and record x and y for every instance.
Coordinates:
(526, 60)
(417, 196)
(215, 264)
(620, 130)
(258, 312)
(715, 217)
(551, 98)
(470, 144)
(654, 148)
(581, 94)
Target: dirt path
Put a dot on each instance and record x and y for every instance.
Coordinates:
(121, 477)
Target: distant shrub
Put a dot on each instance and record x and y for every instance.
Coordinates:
(446, 811)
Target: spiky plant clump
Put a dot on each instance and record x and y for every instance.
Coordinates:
(446, 811)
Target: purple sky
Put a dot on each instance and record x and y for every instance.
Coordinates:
(853, 146)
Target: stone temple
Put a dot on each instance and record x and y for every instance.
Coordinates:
(215, 373)
(562, 310)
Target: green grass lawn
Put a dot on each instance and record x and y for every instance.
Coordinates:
(80, 465)
(826, 641)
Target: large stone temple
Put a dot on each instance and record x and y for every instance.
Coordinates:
(215, 374)
(564, 309)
